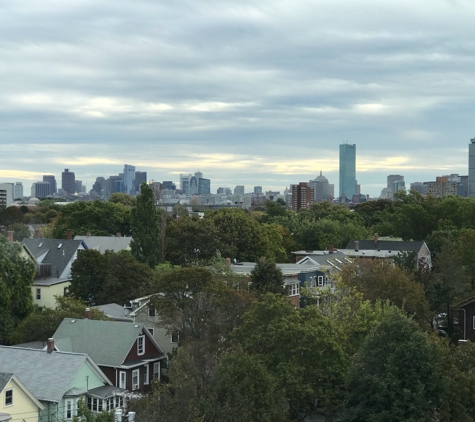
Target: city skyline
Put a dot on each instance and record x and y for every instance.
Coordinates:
(251, 93)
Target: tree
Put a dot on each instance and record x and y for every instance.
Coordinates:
(145, 223)
(16, 278)
(87, 276)
(122, 198)
(192, 241)
(87, 415)
(266, 277)
(20, 231)
(379, 279)
(41, 324)
(299, 347)
(395, 375)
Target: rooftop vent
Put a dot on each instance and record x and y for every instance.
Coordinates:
(40, 245)
(59, 246)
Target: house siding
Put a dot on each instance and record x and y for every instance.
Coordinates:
(48, 293)
(23, 408)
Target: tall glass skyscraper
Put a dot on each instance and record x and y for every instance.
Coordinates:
(347, 171)
(471, 168)
(129, 179)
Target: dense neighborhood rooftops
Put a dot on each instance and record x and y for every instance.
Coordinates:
(245, 268)
(106, 342)
(47, 375)
(387, 245)
(106, 243)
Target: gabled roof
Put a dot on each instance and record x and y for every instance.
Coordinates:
(107, 342)
(115, 311)
(46, 375)
(387, 245)
(245, 268)
(57, 252)
(6, 377)
(104, 243)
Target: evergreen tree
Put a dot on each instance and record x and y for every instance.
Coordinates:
(266, 277)
(145, 223)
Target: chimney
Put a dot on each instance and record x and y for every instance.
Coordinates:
(69, 234)
(88, 234)
(357, 245)
(118, 235)
(87, 314)
(228, 262)
(50, 345)
(10, 236)
(376, 238)
(37, 233)
(331, 249)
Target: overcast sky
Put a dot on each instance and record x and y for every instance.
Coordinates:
(248, 92)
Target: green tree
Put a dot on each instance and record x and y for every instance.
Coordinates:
(122, 198)
(145, 223)
(87, 415)
(87, 275)
(16, 278)
(266, 277)
(299, 347)
(394, 376)
(41, 324)
(20, 231)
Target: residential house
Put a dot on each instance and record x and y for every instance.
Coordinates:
(378, 248)
(54, 258)
(126, 353)
(106, 243)
(296, 276)
(58, 380)
(17, 403)
(466, 318)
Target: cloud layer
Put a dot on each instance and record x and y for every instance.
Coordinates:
(254, 93)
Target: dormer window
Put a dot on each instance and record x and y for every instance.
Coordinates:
(140, 345)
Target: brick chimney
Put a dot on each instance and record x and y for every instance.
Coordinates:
(50, 345)
(88, 234)
(69, 234)
(376, 237)
(331, 249)
(357, 245)
(118, 235)
(37, 233)
(87, 313)
(10, 236)
(228, 262)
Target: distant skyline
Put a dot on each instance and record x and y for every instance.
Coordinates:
(251, 93)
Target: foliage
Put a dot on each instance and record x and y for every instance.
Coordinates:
(381, 280)
(97, 217)
(191, 241)
(394, 376)
(299, 347)
(266, 277)
(16, 278)
(145, 223)
(109, 278)
(41, 324)
(20, 231)
(122, 198)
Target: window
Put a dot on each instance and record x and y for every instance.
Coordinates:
(38, 294)
(175, 336)
(156, 370)
(145, 375)
(8, 398)
(151, 330)
(151, 312)
(141, 345)
(293, 289)
(320, 280)
(135, 379)
(122, 380)
(474, 322)
(68, 409)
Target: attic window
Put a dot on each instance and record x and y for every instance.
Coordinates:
(141, 345)
(59, 246)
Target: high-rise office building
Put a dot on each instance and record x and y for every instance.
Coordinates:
(184, 178)
(6, 194)
(18, 190)
(129, 179)
(40, 189)
(52, 183)
(347, 171)
(239, 190)
(78, 186)
(67, 182)
(471, 168)
(204, 186)
(302, 196)
(140, 177)
(257, 190)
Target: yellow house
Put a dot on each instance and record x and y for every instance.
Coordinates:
(16, 401)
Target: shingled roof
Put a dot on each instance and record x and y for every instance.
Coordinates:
(57, 252)
(106, 243)
(107, 342)
(47, 375)
(387, 245)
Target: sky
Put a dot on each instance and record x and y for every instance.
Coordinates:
(258, 92)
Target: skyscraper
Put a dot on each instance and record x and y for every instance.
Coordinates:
(347, 171)
(302, 196)
(18, 190)
(67, 181)
(471, 168)
(52, 183)
(129, 179)
(140, 177)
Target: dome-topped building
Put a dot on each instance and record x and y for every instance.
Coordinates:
(320, 187)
